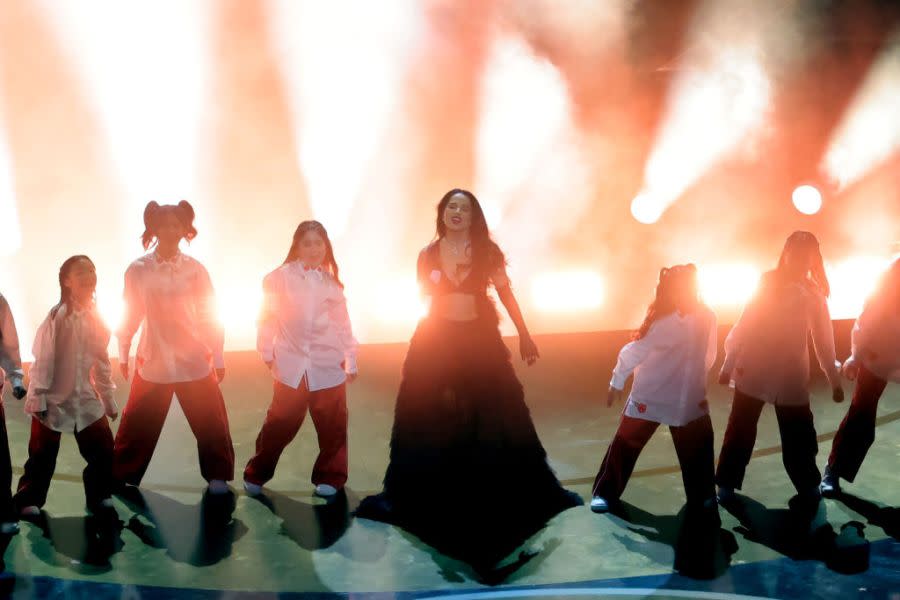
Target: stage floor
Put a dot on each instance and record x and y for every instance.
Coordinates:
(293, 543)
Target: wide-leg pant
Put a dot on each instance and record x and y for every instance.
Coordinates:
(693, 445)
(798, 443)
(95, 442)
(7, 512)
(328, 408)
(857, 431)
(144, 416)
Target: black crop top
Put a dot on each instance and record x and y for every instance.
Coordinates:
(435, 282)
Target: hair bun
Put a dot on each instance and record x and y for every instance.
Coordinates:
(185, 207)
(150, 212)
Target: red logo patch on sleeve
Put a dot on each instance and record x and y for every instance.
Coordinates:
(642, 408)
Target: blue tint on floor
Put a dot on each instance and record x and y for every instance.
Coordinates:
(779, 578)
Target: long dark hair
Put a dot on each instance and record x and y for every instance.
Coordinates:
(677, 288)
(329, 263)
(486, 254)
(804, 241)
(64, 293)
(154, 212)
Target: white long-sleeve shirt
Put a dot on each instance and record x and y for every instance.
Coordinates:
(875, 340)
(670, 365)
(304, 328)
(70, 385)
(766, 351)
(10, 360)
(181, 339)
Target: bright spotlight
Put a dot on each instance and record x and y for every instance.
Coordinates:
(727, 284)
(567, 291)
(807, 199)
(238, 308)
(645, 209)
(399, 301)
(852, 281)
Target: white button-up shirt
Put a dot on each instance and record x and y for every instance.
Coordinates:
(304, 328)
(876, 340)
(181, 339)
(10, 360)
(670, 365)
(766, 351)
(70, 384)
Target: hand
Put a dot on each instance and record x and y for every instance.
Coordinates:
(269, 364)
(850, 370)
(123, 369)
(19, 392)
(612, 396)
(220, 375)
(351, 377)
(837, 394)
(112, 414)
(725, 377)
(528, 349)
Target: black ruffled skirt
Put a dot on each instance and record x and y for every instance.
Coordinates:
(466, 464)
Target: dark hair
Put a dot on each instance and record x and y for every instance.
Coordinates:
(805, 241)
(294, 253)
(486, 254)
(677, 288)
(154, 212)
(63, 275)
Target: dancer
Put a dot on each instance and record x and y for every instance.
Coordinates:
(874, 361)
(71, 391)
(179, 352)
(768, 361)
(306, 340)
(11, 365)
(463, 445)
(670, 355)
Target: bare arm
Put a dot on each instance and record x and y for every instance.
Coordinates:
(527, 347)
(132, 319)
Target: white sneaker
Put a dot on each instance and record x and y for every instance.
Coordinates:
(218, 487)
(599, 504)
(323, 490)
(30, 511)
(830, 485)
(9, 528)
(726, 494)
(252, 489)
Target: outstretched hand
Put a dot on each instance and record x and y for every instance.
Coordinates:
(850, 369)
(528, 350)
(612, 396)
(837, 394)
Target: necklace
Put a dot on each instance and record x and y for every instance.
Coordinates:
(455, 249)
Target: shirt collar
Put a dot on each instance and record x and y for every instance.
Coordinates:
(174, 260)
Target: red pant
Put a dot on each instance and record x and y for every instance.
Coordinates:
(7, 513)
(798, 443)
(144, 416)
(95, 442)
(328, 408)
(693, 445)
(857, 431)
